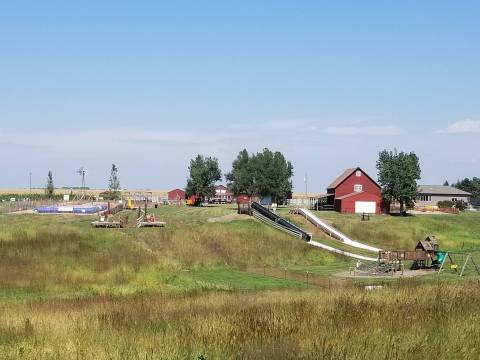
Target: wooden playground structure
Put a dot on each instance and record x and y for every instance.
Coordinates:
(143, 219)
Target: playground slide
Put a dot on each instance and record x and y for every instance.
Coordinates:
(334, 232)
(341, 252)
(277, 222)
(265, 213)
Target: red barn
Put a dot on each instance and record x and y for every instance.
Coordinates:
(176, 195)
(355, 192)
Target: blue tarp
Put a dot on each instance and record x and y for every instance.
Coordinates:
(266, 200)
(76, 210)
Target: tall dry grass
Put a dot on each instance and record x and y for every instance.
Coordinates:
(403, 322)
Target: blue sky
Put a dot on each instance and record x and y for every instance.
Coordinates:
(149, 84)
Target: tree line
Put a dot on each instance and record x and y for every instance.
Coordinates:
(265, 173)
(469, 185)
(269, 173)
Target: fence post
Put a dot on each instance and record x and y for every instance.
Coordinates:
(285, 273)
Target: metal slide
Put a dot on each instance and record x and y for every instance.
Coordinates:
(266, 216)
(341, 252)
(334, 233)
(287, 226)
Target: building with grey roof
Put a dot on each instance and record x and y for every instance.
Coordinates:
(430, 195)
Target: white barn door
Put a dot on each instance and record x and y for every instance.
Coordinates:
(368, 207)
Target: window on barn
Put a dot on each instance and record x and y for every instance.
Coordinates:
(358, 173)
(358, 188)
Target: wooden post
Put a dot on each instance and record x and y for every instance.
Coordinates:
(145, 215)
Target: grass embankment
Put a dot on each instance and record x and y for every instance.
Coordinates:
(455, 232)
(400, 322)
(62, 256)
(69, 291)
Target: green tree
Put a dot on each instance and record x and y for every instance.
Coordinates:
(265, 173)
(114, 183)
(204, 172)
(446, 183)
(398, 174)
(470, 185)
(50, 188)
(241, 180)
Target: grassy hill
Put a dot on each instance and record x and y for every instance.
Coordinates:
(70, 291)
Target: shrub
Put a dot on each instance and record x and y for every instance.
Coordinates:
(459, 204)
(445, 204)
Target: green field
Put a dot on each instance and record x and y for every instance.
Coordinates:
(228, 289)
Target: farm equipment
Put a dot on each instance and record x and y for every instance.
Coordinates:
(193, 200)
(130, 205)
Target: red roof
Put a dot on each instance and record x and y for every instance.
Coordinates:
(341, 178)
(346, 174)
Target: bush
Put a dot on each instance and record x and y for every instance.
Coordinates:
(459, 204)
(445, 204)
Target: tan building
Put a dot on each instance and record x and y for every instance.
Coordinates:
(430, 195)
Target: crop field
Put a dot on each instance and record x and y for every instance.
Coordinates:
(68, 291)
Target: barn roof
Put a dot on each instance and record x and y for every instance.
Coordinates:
(347, 174)
(341, 178)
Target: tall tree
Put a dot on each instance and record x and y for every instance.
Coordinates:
(470, 185)
(49, 188)
(203, 173)
(114, 182)
(241, 180)
(398, 174)
(265, 173)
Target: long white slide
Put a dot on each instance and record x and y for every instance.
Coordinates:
(341, 252)
(331, 231)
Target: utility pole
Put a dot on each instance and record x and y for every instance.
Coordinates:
(306, 189)
(30, 173)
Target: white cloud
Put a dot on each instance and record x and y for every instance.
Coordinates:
(462, 127)
(279, 125)
(390, 130)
